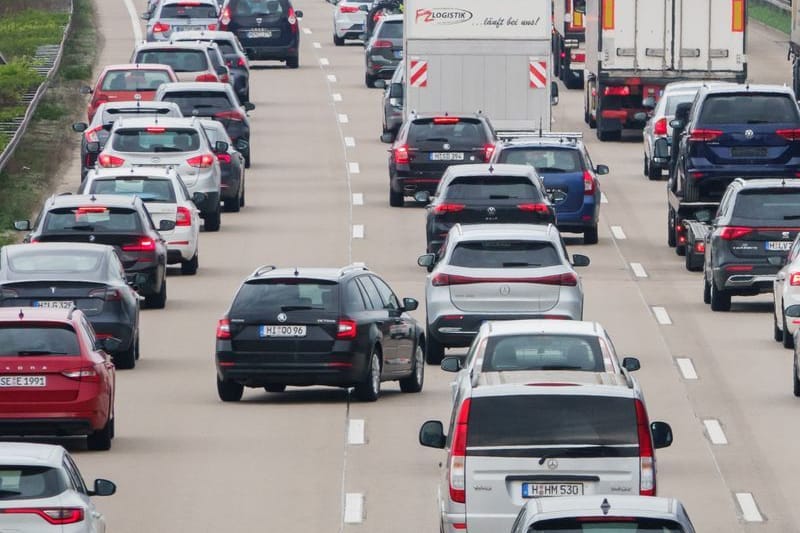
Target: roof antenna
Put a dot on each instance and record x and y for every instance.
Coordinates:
(605, 506)
(296, 273)
(21, 315)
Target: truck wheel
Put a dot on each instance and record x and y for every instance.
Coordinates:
(691, 192)
(671, 229)
(680, 249)
(720, 299)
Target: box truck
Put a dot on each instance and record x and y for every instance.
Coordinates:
(569, 41)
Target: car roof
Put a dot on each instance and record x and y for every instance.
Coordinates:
(474, 232)
(692, 84)
(620, 505)
(205, 86)
(27, 453)
(426, 116)
(767, 183)
(78, 200)
(13, 314)
(747, 88)
(534, 326)
(554, 383)
(180, 45)
(211, 2)
(329, 274)
(137, 66)
(144, 122)
(490, 169)
(568, 141)
(203, 35)
(140, 172)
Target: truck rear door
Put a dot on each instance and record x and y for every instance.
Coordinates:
(709, 35)
(637, 34)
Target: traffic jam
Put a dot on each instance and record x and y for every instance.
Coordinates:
(536, 420)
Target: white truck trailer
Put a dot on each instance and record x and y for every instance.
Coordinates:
(569, 41)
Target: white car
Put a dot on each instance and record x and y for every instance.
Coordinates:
(166, 198)
(349, 20)
(786, 298)
(42, 491)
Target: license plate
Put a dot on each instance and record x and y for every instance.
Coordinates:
(778, 246)
(259, 34)
(398, 54)
(23, 381)
(447, 156)
(546, 490)
(282, 331)
(53, 304)
(749, 151)
(188, 28)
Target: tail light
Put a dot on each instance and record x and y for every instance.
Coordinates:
(446, 120)
(201, 161)
(565, 280)
(53, 515)
(401, 155)
(534, 208)
(348, 9)
(292, 19)
(377, 16)
(382, 43)
(145, 244)
(458, 456)
(87, 373)
(589, 184)
(704, 135)
(620, 90)
(660, 127)
(91, 134)
(110, 161)
(647, 461)
(207, 77)
(229, 115)
(448, 208)
(488, 150)
(183, 217)
(241, 62)
(790, 134)
(160, 27)
(212, 27)
(224, 158)
(794, 279)
(700, 247)
(731, 233)
(223, 329)
(225, 18)
(346, 329)
(577, 57)
(106, 294)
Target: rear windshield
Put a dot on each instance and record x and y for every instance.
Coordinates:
(156, 139)
(391, 30)
(492, 188)
(543, 352)
(749, 108)
(463, 132)
(206, 103)
(276, 295)
(30, 482)
(768, 205)
(247, 8)
(226, 47)
(505, 254)
(93, 219)
(22, 340)
(44, 261)
(149, 190)
(179, 60)
(135, 80)
(187, 10)
(544, 160)
(607, 525)
(535, 420)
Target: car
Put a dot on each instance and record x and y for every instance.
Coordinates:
(786, 298)
(268, 29)
(497, 272)
(232, 52)
(172, 16)
(485, 194)
(392, 103)
(88, 276)
(213, 100)
(45, 492)
(177, 142)
(750, 238)
(569, 175)
(119, 83)
(341, 327)
(66, 385)
(98, 130)
(571, 435)
(119, 221)
(231, 164)
(191, 61)
(427, 144)
(736, 131)
(166, 198)
(349, 20)
(612, 512)
(384, 50)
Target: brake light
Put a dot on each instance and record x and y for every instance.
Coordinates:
(660, 127)
(346, 329)
(565, 280)
(223, 329)
(100, 97)
(292, 19)
(212, 27)
(348, 9)
(183, 217)
(704, 135)
(619, 90)
(201, 161)
(224, 158)
(377, 16)
(458, 453)
(145, 244)
(53, 515)
(700, 247)
(229, 115)
(446, 120)
(534, 208)
(577, 57)
(647, 461)
(225, 18)
(207, 77)
(91, 134)
(153, 129)
(589, 184)
(106, 294)
(401, 155)
(790, 134)
(488, 150)
(448, 208)
(160, 27)
(90, 209)
(87, 373)
(794, 279)
(110, 161)
(730, 233)
(382, 43)
(241, 62)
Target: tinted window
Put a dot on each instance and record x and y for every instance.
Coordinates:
(544, 160)
(95, 219)
(42, 261)
(463, 132)
(606, 525)
(30, 482)
(353, 300)
(373, 296)
(134, 80)
(257, 7)
(543, 352)
(206, 103)
(391, 30)
(776, 206)
(156, 139)
(551, 420)
(188, 10)
(387, 296)
(504, 254)
(275, 295)
(179, 60)
(750, 108)
(22, 340)
(492, 188)
(149, 190)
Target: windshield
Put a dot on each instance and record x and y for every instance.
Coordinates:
(25, 340)
(544, 160)
(30, 482)
(205, 103)
(156, 139)
(433, 132)
(179, 60)
(186, 10)
(544, 352)
(504, 254)
(149, 190)
(93, 219)
(135, 80)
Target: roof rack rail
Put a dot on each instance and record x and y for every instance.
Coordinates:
(564, 136)
(260, 271)
(357, 265)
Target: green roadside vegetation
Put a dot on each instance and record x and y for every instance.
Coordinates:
(32, 172)
(769, 15)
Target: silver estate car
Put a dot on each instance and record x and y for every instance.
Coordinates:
(497, 272)
(191, 61)
(179, 15)
(177, 142)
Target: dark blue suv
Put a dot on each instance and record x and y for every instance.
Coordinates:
(737, 131)
(569, 176)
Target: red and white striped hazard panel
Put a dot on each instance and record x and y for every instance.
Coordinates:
(418, 73)
(538, 74)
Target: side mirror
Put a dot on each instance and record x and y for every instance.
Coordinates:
(431, 434)
(631, 364)
(601, 170)
(379, 84)
(198, 198)
(553, 93)
(676, 124)
(410, 304)
(80, 127)
(580, 260)
(220, 147)
(298, 13)
(93, 147)
(451, 364)
(85, 89)
(426, 260)
(109, 344)
(422, 196)
(641, 116)
(221, 70)
(387, 137)
(166, 225)
(22, 225)
(662, 434)
(249, 106)
(145, 16)
(649, 102)
(103, 487)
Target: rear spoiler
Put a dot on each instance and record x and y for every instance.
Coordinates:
(563, 136)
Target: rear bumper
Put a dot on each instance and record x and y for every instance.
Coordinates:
(715, 173)
(230, 182)
(181, 244)
(263, 53)
(61, 423)
(349, 29)
(410, 181)
(759, 280)
(577, 221)
(457, 329)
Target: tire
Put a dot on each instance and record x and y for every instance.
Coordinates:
(126, 359)
(100, 440)
(671, 229)
(592, 122)
(796, 382)
(232, 205)
(369, 81)
(590, 235)
(274, 387)
(777, 333)
(229, 391)
(653, 173)
(414, 382)
(707, 293)
(242, 197)
(691, 192)
(369, 389)
(646, 166)
(396, 199)
(786, 338)
(157, 301)
(138, 349)
(338, 41)
(213, 220)
(293, 62)
(434, 350)
(189, 268)
(720, 299)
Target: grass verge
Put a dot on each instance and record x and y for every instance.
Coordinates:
(770, 15)
(31, 172)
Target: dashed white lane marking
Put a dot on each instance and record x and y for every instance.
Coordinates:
(332, 78)
(749, 508)
(336, 97)
(324, 61)
(686, 367)
(603, 198)
(354, 168)
(343, 118)
(350, 142)
(353, 508)
(714, 430)
(137, 29)
(307, 31)
(355, 430)
(358, 231)
(317, 45)
(662, 317)
(638, 270)
(617, 232)
(358, 198)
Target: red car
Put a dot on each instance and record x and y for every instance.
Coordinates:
(118, 83)
(55, 377)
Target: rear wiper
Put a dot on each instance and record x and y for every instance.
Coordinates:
(591, 450)
(500, 197)
(436, 139)
(166, 149)
(39, 352)
(82, 227)
(550, 169)
(791, 217)
(511, 264)
(299, 307)
(756, 122)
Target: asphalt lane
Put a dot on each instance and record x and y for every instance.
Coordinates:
(186, 462)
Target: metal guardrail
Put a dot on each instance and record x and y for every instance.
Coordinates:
(46, 61)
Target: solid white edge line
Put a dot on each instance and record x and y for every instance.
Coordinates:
(638, 270)
(317, 45)
(748, 506)
(324, 61)
(686, 367)
(618, 233)
(332, 78)
(355, 431)
(715, 433)
(349, 142)
(358, 231)
(353, 508)
(661, 315)
(336, 97)
(603, 198)
(344, 119)
(358, 198)
(354, 168)
(137, 29)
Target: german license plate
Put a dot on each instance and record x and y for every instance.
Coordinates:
(23, 381)
(53, 304)
(778, 246)
(447, 156)
(398, 54)
(749, 151)
(282, 331)
(188, 28)
(259, 34)
(546, 490)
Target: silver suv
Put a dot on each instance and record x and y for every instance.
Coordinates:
(497, 272)
(179, 15)
(191, 61)
(175, 142)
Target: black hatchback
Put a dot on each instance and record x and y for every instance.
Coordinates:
(267, 29)
(318, 326)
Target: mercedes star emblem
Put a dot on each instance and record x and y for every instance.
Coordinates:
(281, 317)
(748, 134)
(552, 464)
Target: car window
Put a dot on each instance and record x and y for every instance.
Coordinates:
(20, 340)
(543, 159)
(156, 139)
(226, 47)
(282, 294)
(215, 57)
(149, 190)
(353, 299)
(543, 352)
(134, 80)
(40, 261)
(748, 108)
(604, 524)
(216, 134)
(674, 100)
(391, 30)
(179, 60)
(30, 482)
(258, 7)
(492, 188)
(504, 254)
(75, 474)
(188, 10)
(96, 219)
(388, 297)
(206, 103)
(374, 300)
(767, 205)
(436, 131)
